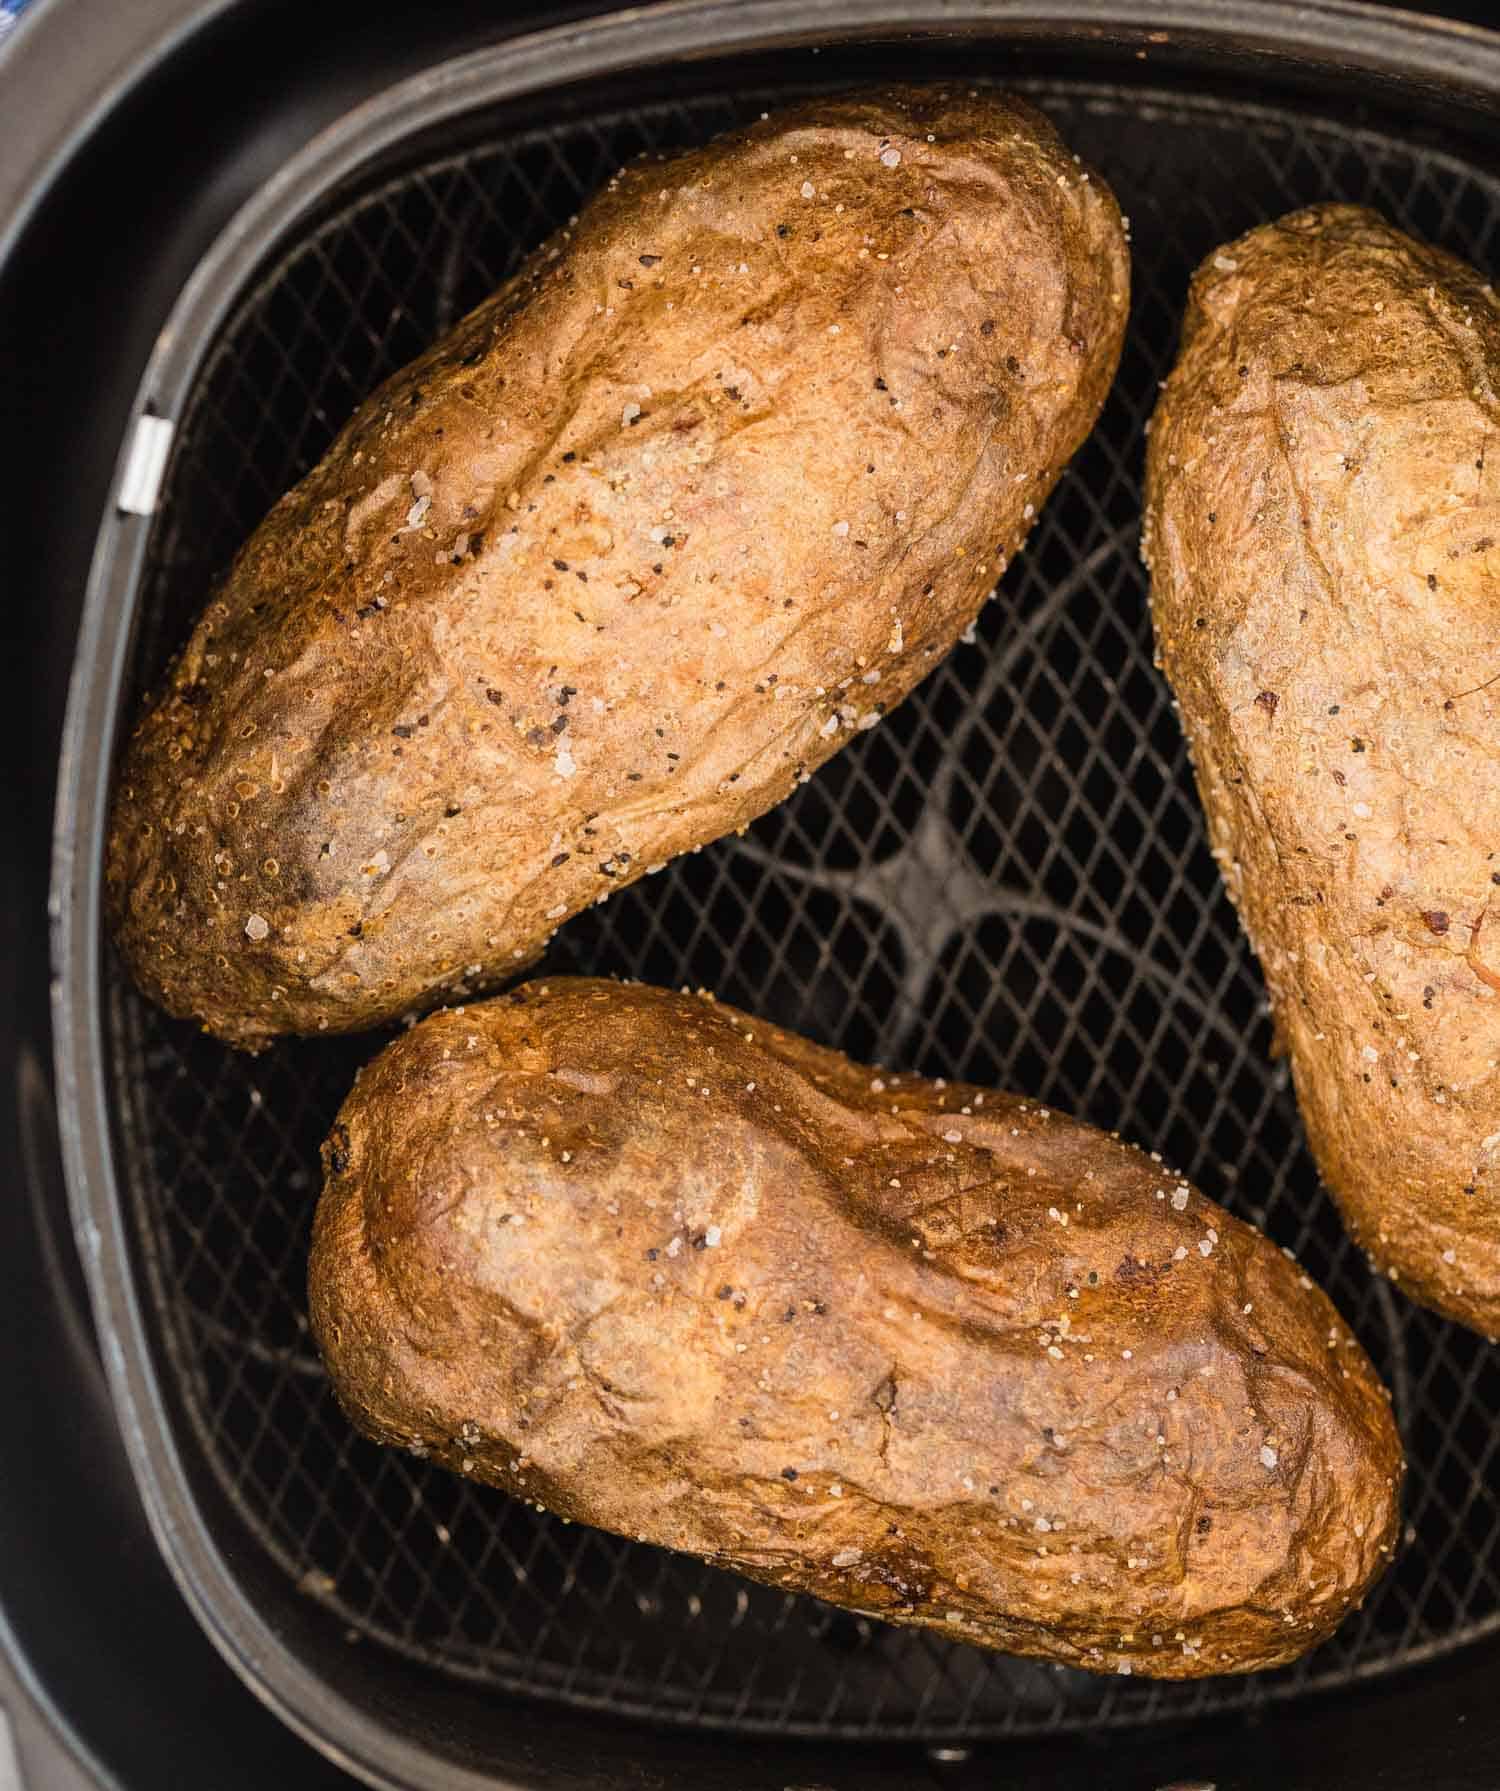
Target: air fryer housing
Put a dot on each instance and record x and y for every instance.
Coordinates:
(120, 228)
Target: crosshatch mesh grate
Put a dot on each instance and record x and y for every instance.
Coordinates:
(1006, 881)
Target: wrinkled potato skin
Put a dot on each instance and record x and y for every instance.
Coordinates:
(703, 490)
(1323, 508)
(935, 1355)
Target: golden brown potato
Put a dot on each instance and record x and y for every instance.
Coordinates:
(939, 1356)
(700, 493)
(1323, 501)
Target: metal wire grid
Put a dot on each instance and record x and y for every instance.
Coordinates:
(1006, 881)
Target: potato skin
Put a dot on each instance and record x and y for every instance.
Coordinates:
(1323, 504)
(702, 491)
(933, 1354)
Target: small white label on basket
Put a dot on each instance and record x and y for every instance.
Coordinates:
(140, 483)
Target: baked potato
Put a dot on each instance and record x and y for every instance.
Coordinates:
(937, 1355)
(1323, 508)
(695, 497)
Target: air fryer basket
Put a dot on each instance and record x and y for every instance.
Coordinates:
(1006, 881)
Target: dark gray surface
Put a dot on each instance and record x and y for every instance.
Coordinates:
(85, 1591)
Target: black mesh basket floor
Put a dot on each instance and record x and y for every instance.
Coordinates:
(1006, 881)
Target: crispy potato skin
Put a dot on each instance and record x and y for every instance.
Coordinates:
(1323, 508)
(701, 492)
(935, 1355)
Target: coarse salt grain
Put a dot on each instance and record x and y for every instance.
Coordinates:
(890, 158)
(257, 927)
(1268, 1456)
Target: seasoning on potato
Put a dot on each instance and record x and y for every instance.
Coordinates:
(1323, 494)
(938, 1355)
(691, 501)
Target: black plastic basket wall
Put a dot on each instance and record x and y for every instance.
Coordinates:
(1006, 881)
